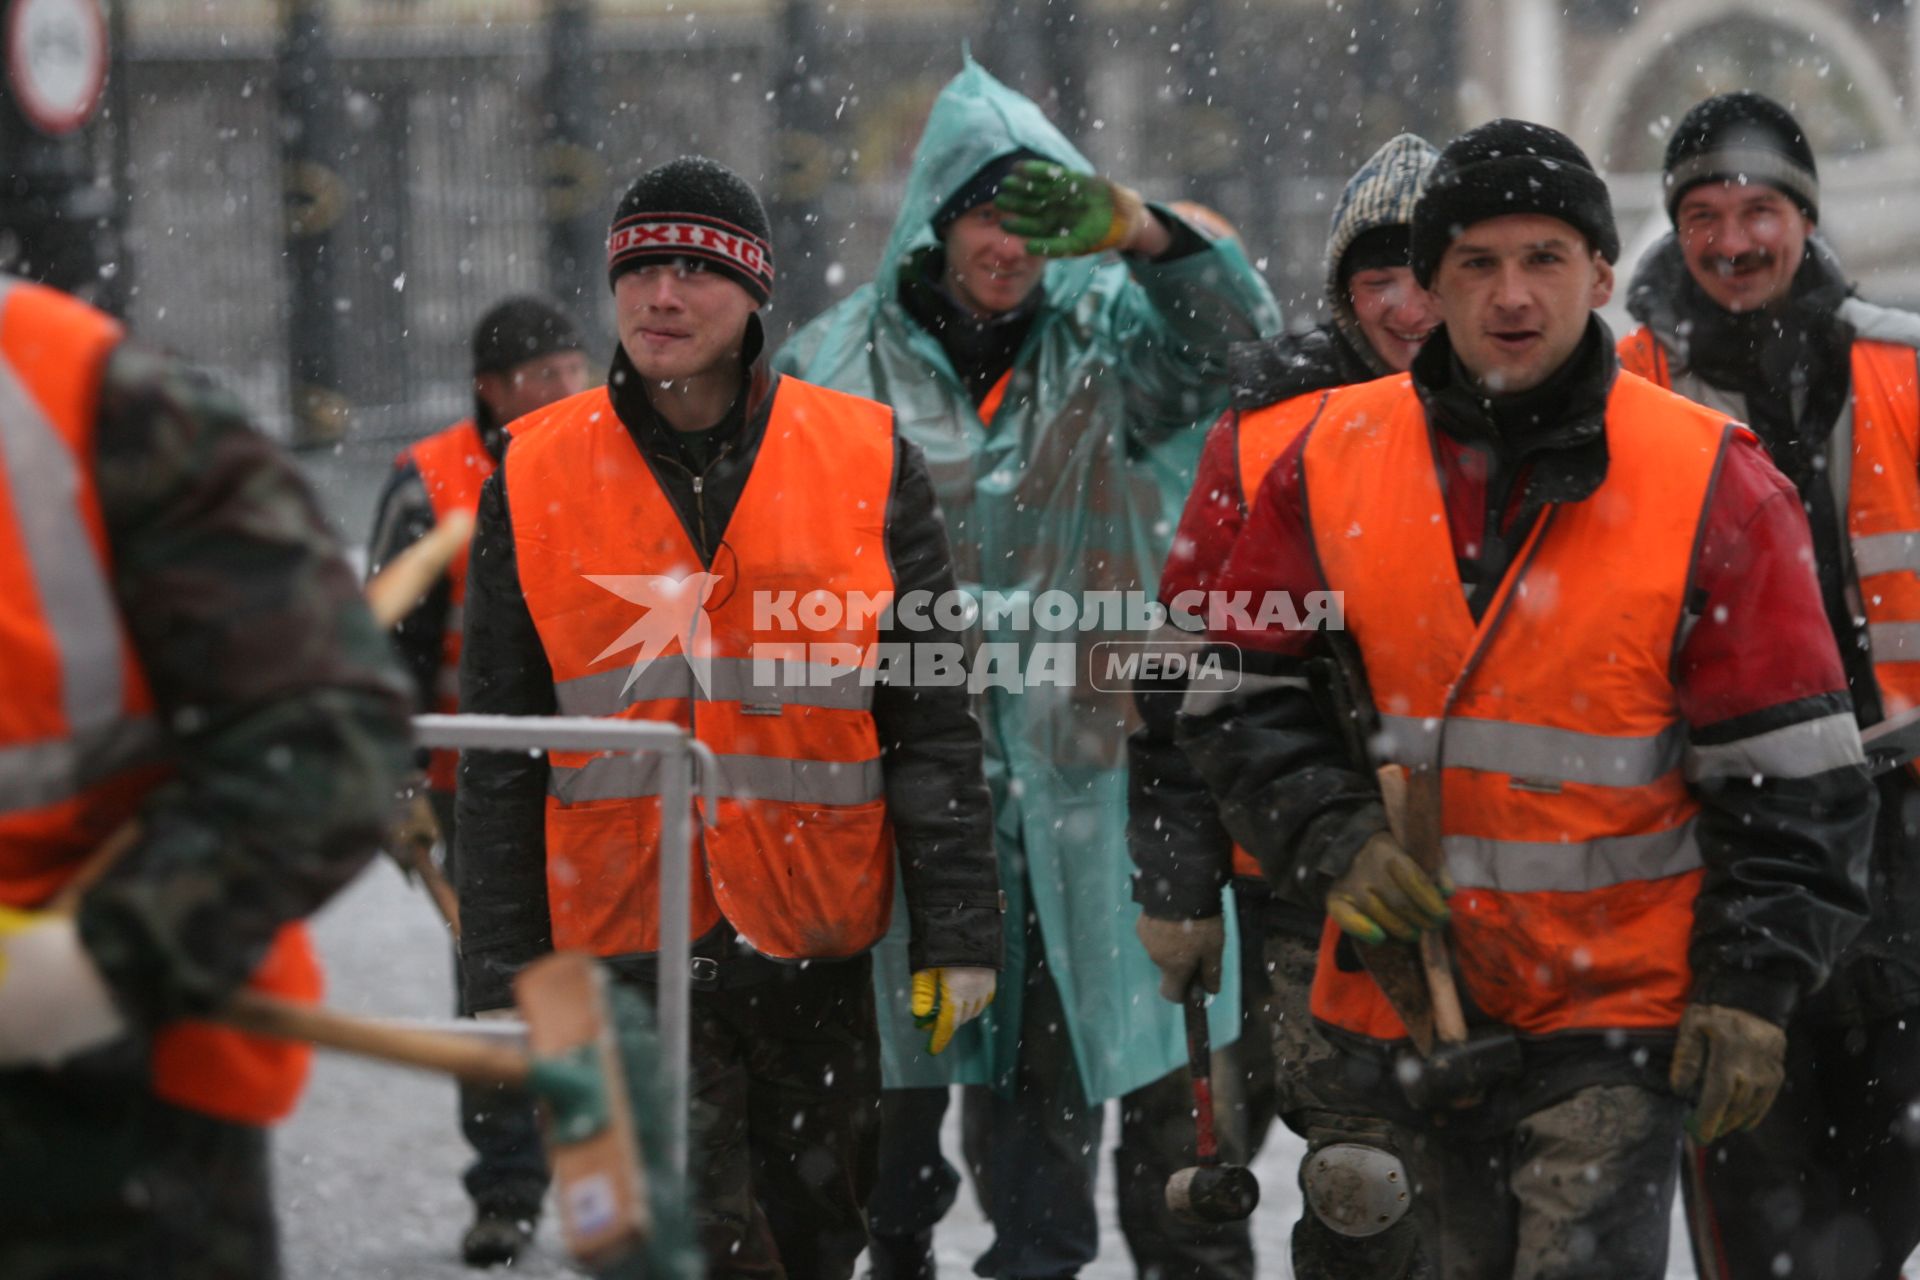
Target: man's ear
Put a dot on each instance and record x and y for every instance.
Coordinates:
(1602, 281)
(491, 388)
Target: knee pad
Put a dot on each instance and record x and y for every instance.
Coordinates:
(1355, 1189)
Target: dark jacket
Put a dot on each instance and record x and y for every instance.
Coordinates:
(1182, 854)
(403, 516)
(286, 709)
(930, 741)
(1788, 374)
(1784, 886)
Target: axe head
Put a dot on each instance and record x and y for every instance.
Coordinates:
(599, 1177)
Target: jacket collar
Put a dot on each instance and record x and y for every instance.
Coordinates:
(493, 435)
(744, 424)
(1700, 335)
(1270, 370)
(980, 348)
(1558, 429)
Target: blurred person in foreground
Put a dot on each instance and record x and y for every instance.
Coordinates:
(526, 354)
(1744, 307)
(1186, 859)
(1581, 610)
(193, 685)
(1054, 343)
(636, 558)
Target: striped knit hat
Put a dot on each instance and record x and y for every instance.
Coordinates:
(1741, 137)
(697, 209)
(1375, 213)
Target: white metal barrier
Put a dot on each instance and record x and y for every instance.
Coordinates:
(680, 752)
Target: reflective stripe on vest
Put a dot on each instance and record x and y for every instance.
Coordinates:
(799, 858)
(79, 744)
(1260, 437)
(1566, 817)
(1883, 501)
(453, 465)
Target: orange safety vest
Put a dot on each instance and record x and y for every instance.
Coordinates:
(799, 856)
(79, 743)
(1883, 501)
(1566, 818)
(453, 465)
(1261, 436)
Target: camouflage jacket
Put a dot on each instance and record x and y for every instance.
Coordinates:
(286, 710)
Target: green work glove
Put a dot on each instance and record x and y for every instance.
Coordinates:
(1738, 1060)
(1064, 214)
(1385, 892)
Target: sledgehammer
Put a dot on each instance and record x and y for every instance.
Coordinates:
(1209, 1191)
(573, 1059)
(1460, 1068)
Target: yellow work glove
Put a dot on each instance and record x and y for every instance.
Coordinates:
(1385, 892)
(946, 999)
(1739, 1061)
(53, 1002)
(1180, 948)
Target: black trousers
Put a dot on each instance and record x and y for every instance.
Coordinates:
(508, 1175)
(1829, 1184)
(784, 1125)
(101, 1181)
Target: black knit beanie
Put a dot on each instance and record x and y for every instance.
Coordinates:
(520, 329)
(1503, 167)
(696, 208)
(983, 186)
(1374, 249)
(1742, 137)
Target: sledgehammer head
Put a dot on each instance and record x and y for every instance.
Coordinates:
(1460, 1073)
(1213, 1193)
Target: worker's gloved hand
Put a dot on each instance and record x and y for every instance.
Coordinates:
(1064, 214)
(944, 1000)
(1737, 1059)
(53, 1002)
(1385, 892)
(1181, 948)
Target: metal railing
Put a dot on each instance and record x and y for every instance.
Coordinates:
(680, 753)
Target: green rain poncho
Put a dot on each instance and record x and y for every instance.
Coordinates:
(1076, 488)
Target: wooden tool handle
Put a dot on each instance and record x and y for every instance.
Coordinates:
(1413, 817)
(448, 1052)
(445, 897)
(396, 589)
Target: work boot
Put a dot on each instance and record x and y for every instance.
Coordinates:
(496, 1238)
(901, 1257)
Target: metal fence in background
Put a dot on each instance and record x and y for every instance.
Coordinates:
(440, 162)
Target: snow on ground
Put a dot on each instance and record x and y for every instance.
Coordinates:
(368, 1171)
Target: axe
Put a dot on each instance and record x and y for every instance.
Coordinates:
(583, 1065)
(571, 1060)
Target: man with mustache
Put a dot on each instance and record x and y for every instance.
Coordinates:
(1583, 612)
(1381, 316)
(1744, 308)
